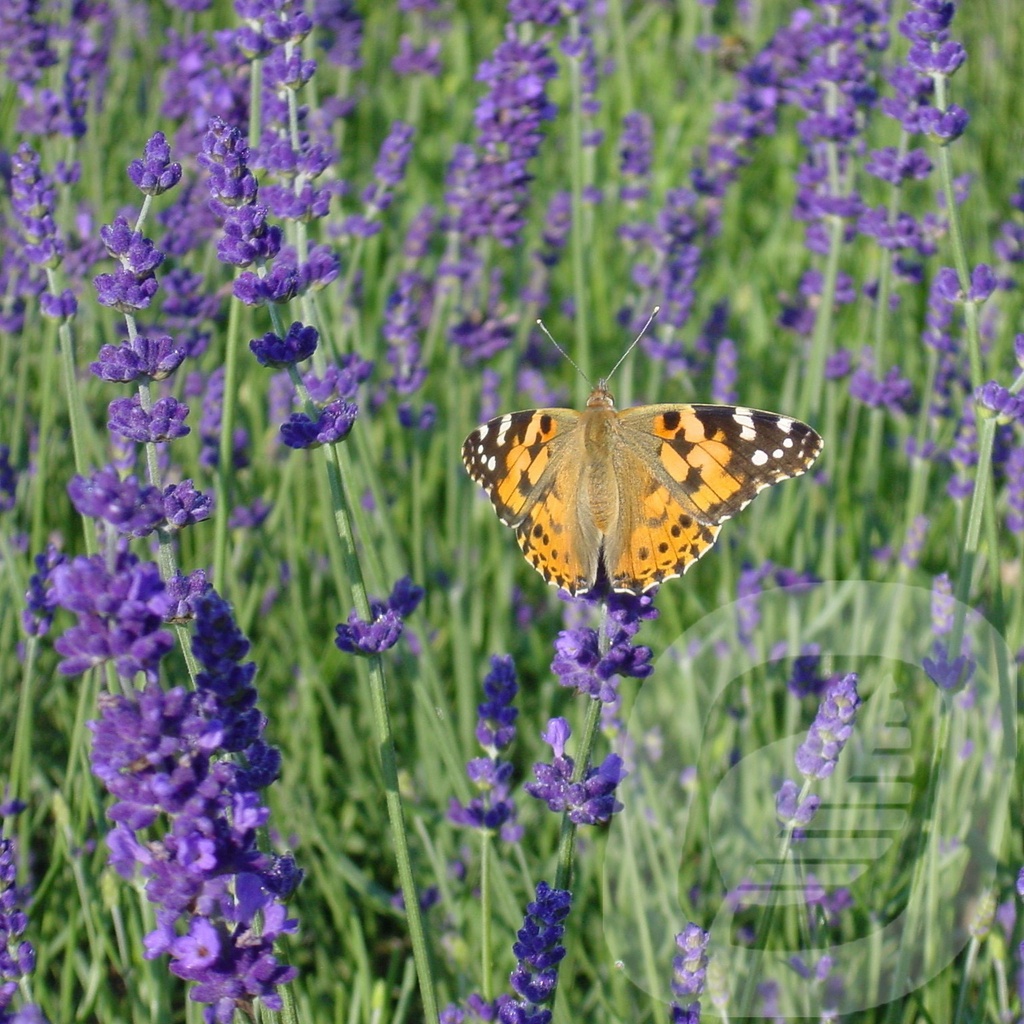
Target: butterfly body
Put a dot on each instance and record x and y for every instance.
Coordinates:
(636, 496)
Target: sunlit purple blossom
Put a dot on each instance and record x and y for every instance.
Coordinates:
(382, 632)
(417, 60)
(17, 955)
(8, 480)
(689, 972)
(832, 727)
(588, 801)
(247, 237)
(333, 423)
(487, 184)
(580, 663)
(34, 202)
(154, 358)
(155, 173)
(295, 347)
(792, 813)
(120, 612)
(131, 508)
(165, 757)
(539, 950)
(163, 421)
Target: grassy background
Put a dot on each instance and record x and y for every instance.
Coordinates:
(481, 597)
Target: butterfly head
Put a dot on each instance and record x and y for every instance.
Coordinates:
(601, 397)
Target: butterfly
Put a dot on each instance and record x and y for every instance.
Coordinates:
(632, 497)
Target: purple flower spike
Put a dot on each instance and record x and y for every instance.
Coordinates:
(999, 401)
(40, 599)
(17, 955)
(789, 811)
(163, 422)
(539, 950)
(165, 756)
(333, 425)
(591, 801)
(8, 480)
(578, 662)
(296, 346)
(689, 968)
(360, 637)
(816, 757)
(155, 173)
(946, 674)
(493, 808)
(132, 509)
(155, 358)
(185, 506)
(120, 615)
(497, 715)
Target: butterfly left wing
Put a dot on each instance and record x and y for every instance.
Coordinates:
(699, 465)
(519, 460)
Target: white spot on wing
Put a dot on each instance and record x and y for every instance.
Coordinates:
(785, 424)
(506, 422)
(759, 458)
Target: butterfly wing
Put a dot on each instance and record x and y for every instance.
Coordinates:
(698, 465)
(520, 460)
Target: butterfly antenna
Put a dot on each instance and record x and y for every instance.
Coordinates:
(540, 324)
(643, 331)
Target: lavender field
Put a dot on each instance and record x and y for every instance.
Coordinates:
(289, 727)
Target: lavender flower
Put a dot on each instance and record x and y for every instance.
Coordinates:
(332, 425)
(635, 155)
(120, 610)
(793, 812)
(247, 237)
(17, 955)
(487, 186)
(141, 357)
(948, 674)
(579, 662)
(155, 173)
(493, 809)
(295, 347)
(132, 509)
(539, 949)
(816, 757)
(588, 801)
(166, 757)
(40, 599)
(360, 637)
(163, 421)
(689, 969)
(8, 480)
(388, 172)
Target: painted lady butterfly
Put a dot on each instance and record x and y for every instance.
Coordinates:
(636, 496)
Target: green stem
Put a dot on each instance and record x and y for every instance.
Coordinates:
(341, 503)
(579, 282)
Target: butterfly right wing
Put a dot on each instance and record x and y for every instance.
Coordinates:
(519, 459)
